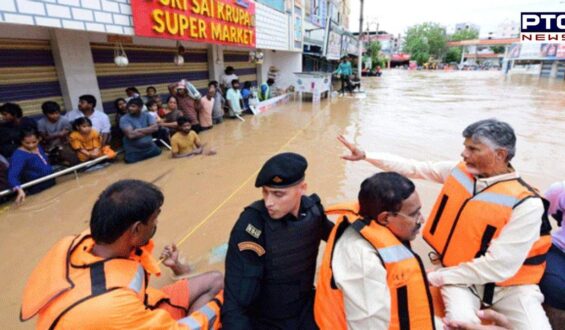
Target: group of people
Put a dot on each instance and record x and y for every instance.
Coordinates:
(489, 231)
(29, 149)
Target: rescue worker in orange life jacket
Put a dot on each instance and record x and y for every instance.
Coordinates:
(488, 228)
(272, 250)
(99, 279)
(370, 278)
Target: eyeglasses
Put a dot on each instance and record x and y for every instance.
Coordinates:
(418, 217)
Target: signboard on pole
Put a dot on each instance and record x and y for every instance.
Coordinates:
(224, 22)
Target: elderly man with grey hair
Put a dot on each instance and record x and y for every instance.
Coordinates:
(488, 228)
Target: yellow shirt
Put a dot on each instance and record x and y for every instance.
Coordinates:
(88, 142)
(184, 143)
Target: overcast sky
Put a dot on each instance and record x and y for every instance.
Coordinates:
(394, 16)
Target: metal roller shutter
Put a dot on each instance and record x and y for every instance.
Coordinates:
(239, 60)
(148, 66)
(28, 75)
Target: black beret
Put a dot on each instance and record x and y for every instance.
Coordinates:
(282, 170)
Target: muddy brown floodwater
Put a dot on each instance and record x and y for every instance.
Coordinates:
(414, 114)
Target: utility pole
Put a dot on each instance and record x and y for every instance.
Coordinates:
(360, 42)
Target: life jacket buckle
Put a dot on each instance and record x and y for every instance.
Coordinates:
(435, 258)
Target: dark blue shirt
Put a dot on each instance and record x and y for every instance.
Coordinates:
(26, 166)
(245, 94)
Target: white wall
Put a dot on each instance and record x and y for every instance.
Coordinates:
(272, 28)
(114, 16)
(111, 16)
(286, 62)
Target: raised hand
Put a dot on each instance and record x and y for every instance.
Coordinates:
(356, 153)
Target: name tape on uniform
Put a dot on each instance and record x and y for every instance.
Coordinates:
(253, 231)
(251, 246)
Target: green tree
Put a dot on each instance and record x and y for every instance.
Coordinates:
(465, 34)
(453, 55)
(425, 40)
(374, 49)
(497, 49)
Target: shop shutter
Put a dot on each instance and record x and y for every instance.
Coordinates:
(27, 75)
(148, 66)
(245, 70)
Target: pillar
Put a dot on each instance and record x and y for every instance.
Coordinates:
(215, 62)
(75, 66)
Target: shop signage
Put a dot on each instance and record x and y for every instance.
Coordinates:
(537, 51)
(114, 39)
(298, 28)
(225, 22)
(333, 50)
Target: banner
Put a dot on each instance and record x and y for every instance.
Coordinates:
(298, 28)
(333, 51)
(224, 22)
(275, 4)
(561, 51)
(318, 12)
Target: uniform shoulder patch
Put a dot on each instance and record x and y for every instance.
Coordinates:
(253, 231)
(251, 246)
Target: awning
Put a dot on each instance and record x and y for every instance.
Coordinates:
(400, 57)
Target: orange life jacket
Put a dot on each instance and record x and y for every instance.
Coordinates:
(61, 281)
(463, 222)
(411, 302)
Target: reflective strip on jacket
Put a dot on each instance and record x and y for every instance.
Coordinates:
(463, 222)
(72, 288)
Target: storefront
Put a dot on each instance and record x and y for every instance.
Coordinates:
(28, 75)
(546, 60)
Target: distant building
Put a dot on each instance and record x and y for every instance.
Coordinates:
(467, 26)
(390, 44)
(506, 29)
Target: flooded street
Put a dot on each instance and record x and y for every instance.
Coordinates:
(414, 114)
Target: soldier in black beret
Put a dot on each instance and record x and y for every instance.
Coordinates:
(271, 260)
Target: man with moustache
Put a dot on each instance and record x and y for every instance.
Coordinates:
(271, 259)
(99, 279)
(488, 228)
(370, 278)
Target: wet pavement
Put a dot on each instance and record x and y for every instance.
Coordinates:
(413, 114)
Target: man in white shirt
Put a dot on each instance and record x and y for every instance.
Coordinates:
(100, 120)
(234, 100)
(476, 254)
(381, 282)
(227, 78)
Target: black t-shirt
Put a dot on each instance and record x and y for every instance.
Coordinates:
(10, 135)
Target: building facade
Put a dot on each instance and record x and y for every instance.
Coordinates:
(60, 49)
(326, 35)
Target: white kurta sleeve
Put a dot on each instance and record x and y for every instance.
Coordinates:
(414, 169)
(361, 277)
